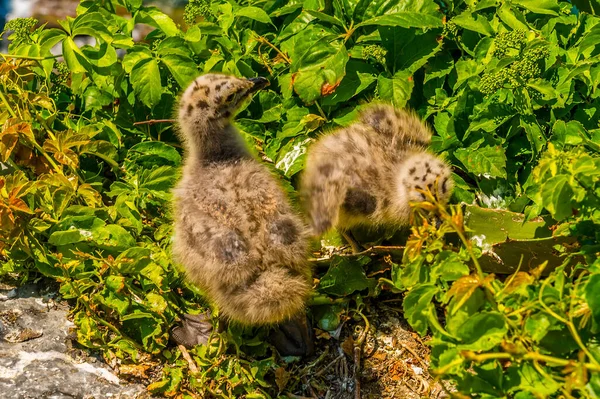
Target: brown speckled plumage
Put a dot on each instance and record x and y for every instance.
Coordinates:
(368, 172)
(235, 232)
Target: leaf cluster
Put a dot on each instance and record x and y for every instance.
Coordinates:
(88, 156)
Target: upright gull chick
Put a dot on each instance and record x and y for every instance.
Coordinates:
(368, 172)
(235, 232)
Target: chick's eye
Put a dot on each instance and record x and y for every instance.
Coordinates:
(230, 97)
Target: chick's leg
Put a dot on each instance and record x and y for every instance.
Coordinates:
(355, 245)
(195, 329)
(293, 337)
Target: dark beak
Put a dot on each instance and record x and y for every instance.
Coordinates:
(259, 83)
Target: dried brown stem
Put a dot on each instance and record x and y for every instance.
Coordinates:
(153, 121)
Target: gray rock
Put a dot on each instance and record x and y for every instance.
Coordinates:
(34, 353)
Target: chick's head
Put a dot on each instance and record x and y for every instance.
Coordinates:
(422, 172)
(216, 97)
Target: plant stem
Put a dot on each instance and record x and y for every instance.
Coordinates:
(28, 57)
(7, 105)
(533, 356)
(153, 121)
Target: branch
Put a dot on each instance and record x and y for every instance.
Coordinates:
(153, 121)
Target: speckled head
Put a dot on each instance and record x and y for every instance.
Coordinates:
(215, 97)
(423, 171)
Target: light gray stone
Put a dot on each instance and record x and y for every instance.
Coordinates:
(34, 353)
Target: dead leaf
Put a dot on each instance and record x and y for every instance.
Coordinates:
(327, 89)
(517, 281)
(282, 378)
(348, 346)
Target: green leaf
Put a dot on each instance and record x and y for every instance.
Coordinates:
(397, 90)
(512, 17)
(591, 39)
(156, 18)
(592, 288)
(145, 79)
(476, 23)
(557, 195)
(482, 331)
(292, 156)
(113, 237)
(549, 7)
(569, 133)
(405, 19)
(322, 75)
(160, 179)
(92, 24)
(153, 153)
(524, 377)
(418, 307)
(74, 57)
(408, 49)
(133, 260)
(255, 13)
(325, 18)
(488, 161)
(359, 76)
(174, 54)
(345, 277)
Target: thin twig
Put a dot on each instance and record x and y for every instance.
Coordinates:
(324, 369)
(153, 121)
(425, 367)
(188, 358)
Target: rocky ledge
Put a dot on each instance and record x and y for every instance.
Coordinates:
(37, 359)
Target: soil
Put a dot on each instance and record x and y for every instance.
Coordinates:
(394, 361)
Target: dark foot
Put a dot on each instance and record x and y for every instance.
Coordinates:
(293, 337)
(356, 247)
(195, 330)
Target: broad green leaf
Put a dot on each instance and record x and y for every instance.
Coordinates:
(592, 288)
(145, 79)
(405, 19)
(366, 9)
(92, 24)
(557, 195)
(549, 7)
(591, 39)
(569, 133)
(359, 76)
(292, 156)
(134, 56)
(152, 153)
(482, 331)
(512, 17)
(488, 161)
(407, 49)
(74, 57)
(326, 18)
(477, 23)
(160, 179)
(345, 277)
(112, 237)
(398, 89)
(523, 376)
(320, 77)
(534, 133)
(181, 66)
(154, 17)
(255, 13)
(418, 307)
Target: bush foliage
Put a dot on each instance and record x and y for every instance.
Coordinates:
(510, 87)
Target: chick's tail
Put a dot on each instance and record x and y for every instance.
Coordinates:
(277, 294)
